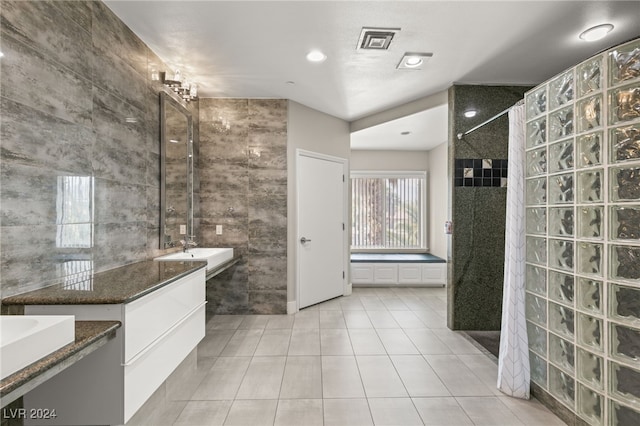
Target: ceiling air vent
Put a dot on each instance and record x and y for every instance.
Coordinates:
(376, 38)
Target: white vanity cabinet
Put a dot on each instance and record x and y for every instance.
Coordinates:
(159, 330)
(401, 273)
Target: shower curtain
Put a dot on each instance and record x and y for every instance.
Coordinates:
(513, 362)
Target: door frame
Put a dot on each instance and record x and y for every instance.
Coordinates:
(345, 217)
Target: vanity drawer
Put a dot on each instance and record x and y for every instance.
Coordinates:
(146, 372)
(148, 318)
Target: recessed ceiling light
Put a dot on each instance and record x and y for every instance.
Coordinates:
(290, 83)
(316, 56)
(413, 60)
(405, 133)
(470, 113)
(596, 33)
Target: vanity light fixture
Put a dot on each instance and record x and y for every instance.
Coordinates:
(470, 113)
(316, 56)
(596, 33)
(413, 60)
(186, 90)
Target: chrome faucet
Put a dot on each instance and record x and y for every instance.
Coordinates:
(188, 242)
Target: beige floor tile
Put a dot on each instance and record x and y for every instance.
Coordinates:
(343, 412)
(211, 413)
(252, 413)
(351, 303)
(335, 342)
(394, 304)
(413, 302)
(243, 343)
(407, 319)
(305, 342)
(456, 342)
(280, 321)
(299, 412)
(372, 303)
(484, 368)
(223, 380)
(225, 322)
(341, 377)
(254, 321)
(274, 342)
(418, 377)
(488, 411)
(365, 341)
(263, 378)
(426, 341)
(396, 342)
(531, 412)
(441, 412)
(306, 319)
(302, 378)
(382, 319)
(431, 318)
(379, 377)
(332, 319)
(214, 342)
(457, 377)
(394, 412)
(357, 319)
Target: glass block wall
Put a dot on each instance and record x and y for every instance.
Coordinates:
(582, 201)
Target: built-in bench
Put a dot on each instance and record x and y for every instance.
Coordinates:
(397, 269)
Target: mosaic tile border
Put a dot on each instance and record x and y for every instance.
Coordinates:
(483, 172)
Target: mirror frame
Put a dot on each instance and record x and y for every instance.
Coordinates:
(167, 99)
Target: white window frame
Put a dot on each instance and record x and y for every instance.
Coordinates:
(408, 174)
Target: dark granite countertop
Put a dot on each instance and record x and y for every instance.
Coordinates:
(115, 286)
(90, 335)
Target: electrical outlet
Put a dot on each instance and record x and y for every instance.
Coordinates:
(183, 229)
(218, 229)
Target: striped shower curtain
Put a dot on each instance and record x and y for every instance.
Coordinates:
(513, 362)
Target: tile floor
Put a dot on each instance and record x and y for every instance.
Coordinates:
(382, 356)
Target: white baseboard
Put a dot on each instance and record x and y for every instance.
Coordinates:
(348, 290)
(292, 307)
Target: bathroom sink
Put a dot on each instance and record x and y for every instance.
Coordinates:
(24, 339)
(213, 256)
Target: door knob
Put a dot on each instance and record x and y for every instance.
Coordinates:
(304, 240)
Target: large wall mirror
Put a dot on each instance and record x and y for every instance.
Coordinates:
(176, 172)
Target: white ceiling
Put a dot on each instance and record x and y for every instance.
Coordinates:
(251, 49)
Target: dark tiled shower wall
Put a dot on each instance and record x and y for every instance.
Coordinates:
(476, 251)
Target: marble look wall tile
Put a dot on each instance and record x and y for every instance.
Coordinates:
(38, 139)
(32, 79)
(216, 177)
(227, 293)
(28, 195)
(118, 244)
(268, 151)
(232, 174)
(268, 115)
(64, 99)
(55, 29)
(111, 37)
(268, 302)
(119, 202)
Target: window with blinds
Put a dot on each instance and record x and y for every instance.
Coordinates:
(388, 211)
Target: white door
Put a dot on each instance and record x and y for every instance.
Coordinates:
(321, 227)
